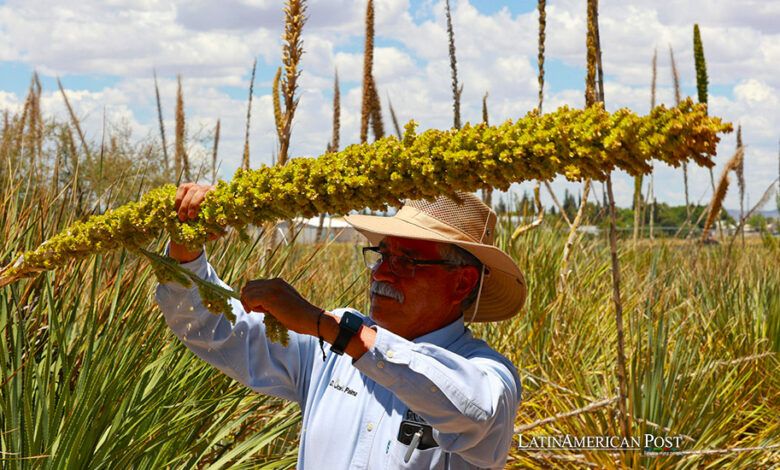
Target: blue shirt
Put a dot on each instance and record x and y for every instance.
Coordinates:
(352, 410)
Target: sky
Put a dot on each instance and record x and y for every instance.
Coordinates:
(105, 53)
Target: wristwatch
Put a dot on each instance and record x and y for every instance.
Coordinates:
(348, 326)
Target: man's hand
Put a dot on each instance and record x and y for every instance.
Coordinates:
(280, 299)
(189, 197)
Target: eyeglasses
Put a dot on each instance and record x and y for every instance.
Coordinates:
(401, 266)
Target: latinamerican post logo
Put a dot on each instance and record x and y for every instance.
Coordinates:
(648, 443)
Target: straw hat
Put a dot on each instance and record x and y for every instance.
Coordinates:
(470, 226)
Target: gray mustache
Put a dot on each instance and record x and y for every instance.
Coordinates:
(385, 289)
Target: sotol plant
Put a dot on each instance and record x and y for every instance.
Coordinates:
(579, 144)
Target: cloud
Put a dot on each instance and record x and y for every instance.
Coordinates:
(212, 46)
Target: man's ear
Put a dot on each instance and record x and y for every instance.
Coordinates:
(467, 279)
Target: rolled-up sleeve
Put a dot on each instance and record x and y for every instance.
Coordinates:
(240, 350)
(470, 400)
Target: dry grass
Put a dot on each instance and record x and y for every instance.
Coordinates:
(714, 208)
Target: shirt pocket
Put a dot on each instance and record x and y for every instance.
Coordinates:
(432, 458)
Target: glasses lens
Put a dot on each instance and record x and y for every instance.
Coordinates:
(372, 259)
(401, 266)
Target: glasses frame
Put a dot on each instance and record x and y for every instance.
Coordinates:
(414, 262)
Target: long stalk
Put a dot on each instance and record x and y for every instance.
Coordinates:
(160, 120)
(487, 192)
(292, 50)
(676, 80)
(650, 195)
(741, 181)
(591, 97)
(75, 121)
(214, 154)
(396, 126)
(245, 159)
(334, 143)
(182, 161)
(377, 127)
(368, 64)
(621, 354)
(456, 91)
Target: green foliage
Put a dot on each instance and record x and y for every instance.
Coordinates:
(757, 220)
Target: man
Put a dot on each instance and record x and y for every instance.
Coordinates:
(406, 387)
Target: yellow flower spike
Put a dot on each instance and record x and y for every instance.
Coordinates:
(576, 143)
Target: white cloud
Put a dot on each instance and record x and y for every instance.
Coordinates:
(212, 45)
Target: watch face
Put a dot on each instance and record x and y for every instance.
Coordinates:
(352, 321)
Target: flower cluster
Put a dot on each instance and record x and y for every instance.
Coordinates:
(275, 330)
(579, 144)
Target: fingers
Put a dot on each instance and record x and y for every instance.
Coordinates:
(260, 295)
(251, 295)
(180, 192)
(189, 197)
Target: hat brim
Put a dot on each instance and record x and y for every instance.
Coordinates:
(503, 287)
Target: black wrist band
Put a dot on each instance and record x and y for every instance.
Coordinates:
(322, 341)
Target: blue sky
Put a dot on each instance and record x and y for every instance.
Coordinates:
(105, 52)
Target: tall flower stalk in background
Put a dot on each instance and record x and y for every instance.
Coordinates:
(368, 77)
(333, 145)
(740, 170)
(182, 161)
(292, 50)
(396, 126)
(650, 193)
(487, 192)
(160, 120)
(214, 154)
(277, 104)
(591, 96)
(456, 90)
(245, 160)
(376, 112)
(701, 79)
(701, 65)
(537, 196)
(676, 81)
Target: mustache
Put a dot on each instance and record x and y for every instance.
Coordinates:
(385, 289)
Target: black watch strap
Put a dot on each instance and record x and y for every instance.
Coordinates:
(348, 326)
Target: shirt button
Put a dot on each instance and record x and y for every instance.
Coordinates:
(380, 364)
(433, 389)
(390, 353)
(370, 427)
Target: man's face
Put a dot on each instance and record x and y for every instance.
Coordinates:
(412, 307)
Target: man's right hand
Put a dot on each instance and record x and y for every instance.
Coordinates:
(189, 197)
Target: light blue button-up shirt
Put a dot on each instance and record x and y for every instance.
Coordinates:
(352, 410)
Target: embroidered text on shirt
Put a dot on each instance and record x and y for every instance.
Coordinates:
(342, 388)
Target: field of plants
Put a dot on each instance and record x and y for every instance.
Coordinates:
(664, 336)
(92, 378)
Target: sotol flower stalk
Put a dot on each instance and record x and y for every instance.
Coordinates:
(579, 144)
